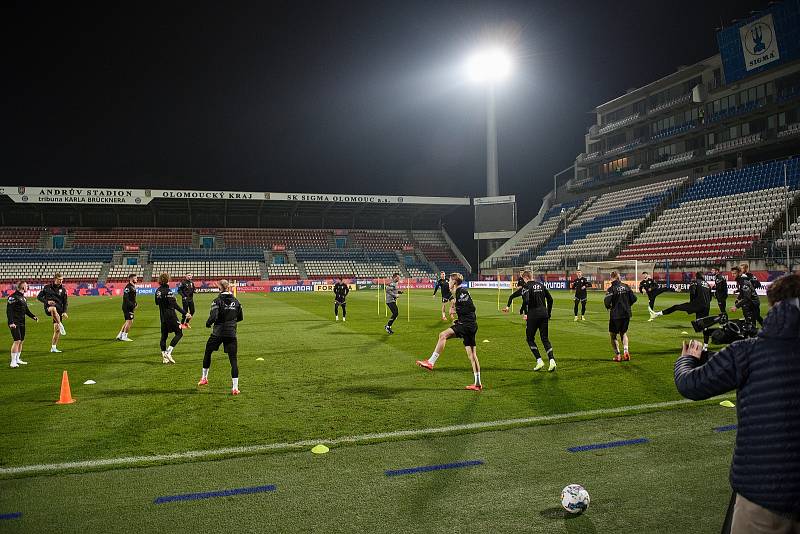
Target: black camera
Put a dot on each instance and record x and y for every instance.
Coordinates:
(727, 332)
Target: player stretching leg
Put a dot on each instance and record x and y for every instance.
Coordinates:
(539, 305)
(226, 312)
(16, 311)
(465, 327)
(128, 306)
(186, 291)
(447, 296)
(54, 298)
(618, 301)
(165, 300)
(340, 291)
(580, 285)
(650, 286)
(391, 301)
(699, 300)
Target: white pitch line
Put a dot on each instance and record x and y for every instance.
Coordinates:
(252, 449)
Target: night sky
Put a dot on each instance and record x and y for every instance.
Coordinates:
(330, 97)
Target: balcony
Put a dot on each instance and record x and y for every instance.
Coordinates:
(735, 144)
(673, 160)
(683, 99)
(611, 126)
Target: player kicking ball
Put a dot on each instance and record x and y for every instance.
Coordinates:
(465, 327)
(54, 298)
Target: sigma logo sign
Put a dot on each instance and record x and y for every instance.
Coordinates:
(292, 289)
(759, 44)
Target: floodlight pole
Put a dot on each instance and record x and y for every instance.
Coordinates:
(492, 181)
(786, 186)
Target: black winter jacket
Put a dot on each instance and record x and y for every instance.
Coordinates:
(765, 372)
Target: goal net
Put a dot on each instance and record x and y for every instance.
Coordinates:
(599, 272)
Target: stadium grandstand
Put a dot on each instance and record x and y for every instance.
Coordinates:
(100, 235)
(697, 168)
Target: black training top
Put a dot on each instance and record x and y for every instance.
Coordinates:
(226, 311)
(538, 300)
(341, 290)
(720, 286)
(648, 285)
(465, 308)
(129, 297)
(53, 292)
(580, 285)
(700, 294)
(17, 309)
(619, 299)
(186, 289)
(444, 285)
(167, 304)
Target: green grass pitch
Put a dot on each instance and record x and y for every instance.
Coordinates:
(322, 380)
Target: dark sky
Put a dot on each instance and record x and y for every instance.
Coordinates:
(329, 97)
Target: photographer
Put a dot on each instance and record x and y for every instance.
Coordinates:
(765, 371)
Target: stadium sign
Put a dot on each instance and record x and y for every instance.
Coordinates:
(74, 195)
(367, 199)
(329, 287)
(759, 44)
(292, 289)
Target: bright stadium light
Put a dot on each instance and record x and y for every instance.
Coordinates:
(491, 65)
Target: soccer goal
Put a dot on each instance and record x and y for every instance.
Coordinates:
(629, 271)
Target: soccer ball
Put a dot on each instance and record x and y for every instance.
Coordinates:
(575, 499)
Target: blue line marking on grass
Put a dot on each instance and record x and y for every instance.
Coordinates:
(725, 428)
(214, 494)
(582, 448)
(426, 468)
(13, 515)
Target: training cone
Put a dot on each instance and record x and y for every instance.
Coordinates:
(727, 404)
(66, 394)
(320, 449)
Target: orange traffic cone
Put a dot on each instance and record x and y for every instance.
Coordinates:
(66, 395)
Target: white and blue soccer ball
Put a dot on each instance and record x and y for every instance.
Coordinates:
(575, 499)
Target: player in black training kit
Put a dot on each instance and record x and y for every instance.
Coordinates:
(618, 301)
(746, 298)
(16, 311)
(721, 291)
(128, 307)
(539, 306)
(699, 300)
(579, 286)
(523, 310)
(340, 291)
(465, 327)
(745, 270)
(186, 290)
(444, 284)
(54, 298)
(226, 313)
(651, 287)
(167, 304)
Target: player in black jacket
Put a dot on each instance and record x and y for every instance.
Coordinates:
(720, 291)
(523, 309)
(539, 305)
(186, 290)
(651, 287)
(340, 291)
(579, 286)
(745, 270)
(465, 327)
(746, 298)
(699, 300)
(128, 307)
(16, 311)
(443, 284)
(226, 313)
(167, 304)
(618, 301)
(54, 298)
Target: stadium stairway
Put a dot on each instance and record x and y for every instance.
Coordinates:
(401, 263)
(104, 270)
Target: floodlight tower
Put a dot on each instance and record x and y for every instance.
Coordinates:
(490, 67)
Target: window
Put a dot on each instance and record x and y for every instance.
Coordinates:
(732, 134)
(745, 129)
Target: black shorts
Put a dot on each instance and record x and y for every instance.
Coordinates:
(18, 333)
(171, 326)
(618, 326)
(229, 344)
(580, 298)
(466, 332)
(446, 299)
(58, 308)
(127, 313)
